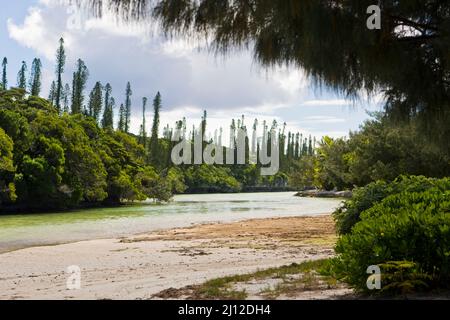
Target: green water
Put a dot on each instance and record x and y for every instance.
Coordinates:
(21, 231)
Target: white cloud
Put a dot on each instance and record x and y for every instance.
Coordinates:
(330, 102)
(290, 80)
(323, 119)
(33, 33)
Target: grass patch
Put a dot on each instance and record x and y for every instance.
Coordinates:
(220, 288)
(326, 240)
(306, 276)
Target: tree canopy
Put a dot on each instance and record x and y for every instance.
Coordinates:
(380, 150)
(53, 161)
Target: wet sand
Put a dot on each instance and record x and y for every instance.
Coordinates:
(139, 266)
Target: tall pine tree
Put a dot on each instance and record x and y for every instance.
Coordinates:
(60, 62)
(66, 98)
(143, 136)
(51, 95)
(108, 114)
(310, 146)
(78, 85)
(96, 101)
(204, 123)
(297, 146)
(35, 79)
(121, 124)
(110, 120)
(128, 94)
(154, 143)
(4, 83)
(22, 77)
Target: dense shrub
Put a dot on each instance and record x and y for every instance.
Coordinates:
(364, 198)
(380, 150)
(206, 178)
(53, 161)
(410, 228)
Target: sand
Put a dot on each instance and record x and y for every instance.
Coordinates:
(139, 266)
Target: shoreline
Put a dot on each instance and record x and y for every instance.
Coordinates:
(344, 195)
(140, 266)
(194, 225)
(17, 210)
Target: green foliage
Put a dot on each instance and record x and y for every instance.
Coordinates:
(333, 166)
(60, 63)
(158, 188)
(154, 141)
(7, 170)
(37, 182)
(379, 151)
(349, 213)
(17, 127)
(108, 114)
(412, 225)
(278, 180)
(305, 173)
(21, 76)
(80, 77)
(62, 161)
(364, 198)
(207, 178)
(52, 93)
(127, 112)
(66, 98)
(96, 101)
(143, 131)
(6, 151)
(247, 175)
(36, 77)
(175, 179)
(403, 277)
(4, 80)
(121, 123)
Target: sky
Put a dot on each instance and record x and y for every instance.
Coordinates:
(190, 78)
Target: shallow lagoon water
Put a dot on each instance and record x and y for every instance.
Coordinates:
(21, 231)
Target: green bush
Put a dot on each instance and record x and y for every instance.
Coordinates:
(364, 198)
(53, 161)
(403, 277)
(407, 226)
(207, 178)
(349, 213)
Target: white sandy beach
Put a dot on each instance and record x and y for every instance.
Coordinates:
(140, 266)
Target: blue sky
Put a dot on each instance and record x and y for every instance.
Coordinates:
(189, 79)
(10, 48)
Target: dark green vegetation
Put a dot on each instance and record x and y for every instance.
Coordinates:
(52, 161)
(365, 198)
(380, 150)
(403, 227)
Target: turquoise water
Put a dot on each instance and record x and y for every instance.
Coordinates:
(21, 231)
